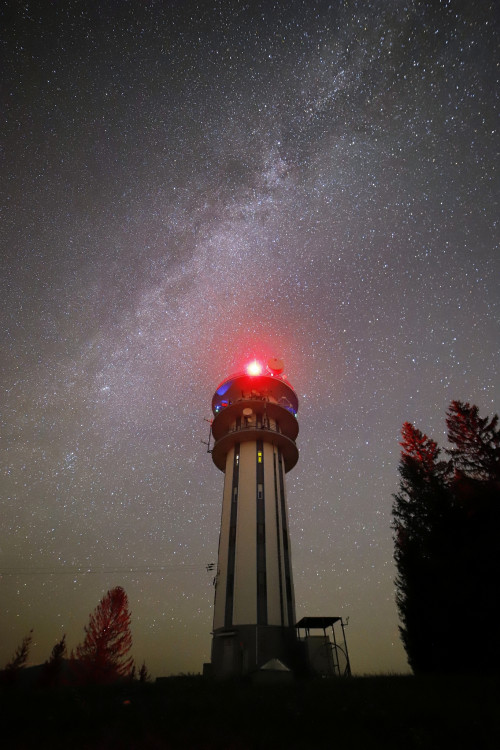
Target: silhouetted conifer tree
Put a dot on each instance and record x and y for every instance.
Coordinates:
(476, 442)
(21, 654)
(446, 517)
(11, 670)
(52, 672)
(104, 654)
(144, 675)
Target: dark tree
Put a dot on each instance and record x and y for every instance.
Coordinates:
(475, 441)
(144, 675)
(104, 654)
(11, 670)
(21, 654)
(52, 672)
(446, 518)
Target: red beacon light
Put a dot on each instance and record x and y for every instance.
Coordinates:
(254, 368)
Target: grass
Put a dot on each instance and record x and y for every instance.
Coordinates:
(402, 712)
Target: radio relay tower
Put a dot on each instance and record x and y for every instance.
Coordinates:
(254, 430)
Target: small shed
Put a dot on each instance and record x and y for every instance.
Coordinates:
(325, 654)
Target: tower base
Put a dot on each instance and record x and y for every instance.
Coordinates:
(244, 649)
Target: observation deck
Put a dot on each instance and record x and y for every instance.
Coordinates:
(251, 407)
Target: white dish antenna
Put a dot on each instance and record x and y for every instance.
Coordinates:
(276, 365)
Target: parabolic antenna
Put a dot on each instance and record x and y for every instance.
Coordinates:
(276, 365)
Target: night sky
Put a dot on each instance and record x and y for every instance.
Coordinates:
(188, 185)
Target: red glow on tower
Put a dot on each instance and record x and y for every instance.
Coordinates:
(254, 368)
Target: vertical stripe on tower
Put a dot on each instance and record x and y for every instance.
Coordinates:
(231, 555)
(286, 550)
(278, 535)
(261, 539)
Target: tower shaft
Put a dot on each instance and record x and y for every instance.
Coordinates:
(255, 578)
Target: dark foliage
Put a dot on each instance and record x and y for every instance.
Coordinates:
(21, 654)
(446, 519)
(475, 441)
(144, 675)
(10, 673)
(190, 713)
(53, 671)
(103, 657)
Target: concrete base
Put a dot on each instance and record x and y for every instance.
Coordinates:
(242, 650)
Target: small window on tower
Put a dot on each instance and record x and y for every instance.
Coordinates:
(259, 457)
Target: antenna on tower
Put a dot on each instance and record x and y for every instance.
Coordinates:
(207, 442)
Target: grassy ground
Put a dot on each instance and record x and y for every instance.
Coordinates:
(189, 712)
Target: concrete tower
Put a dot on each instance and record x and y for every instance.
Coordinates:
(254, 431)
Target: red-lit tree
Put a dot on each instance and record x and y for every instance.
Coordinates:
(475, 440)
(446, 517)
(104, 654)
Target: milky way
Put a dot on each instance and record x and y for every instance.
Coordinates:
(188, 185)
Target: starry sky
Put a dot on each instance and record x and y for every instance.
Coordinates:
(188, 185)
